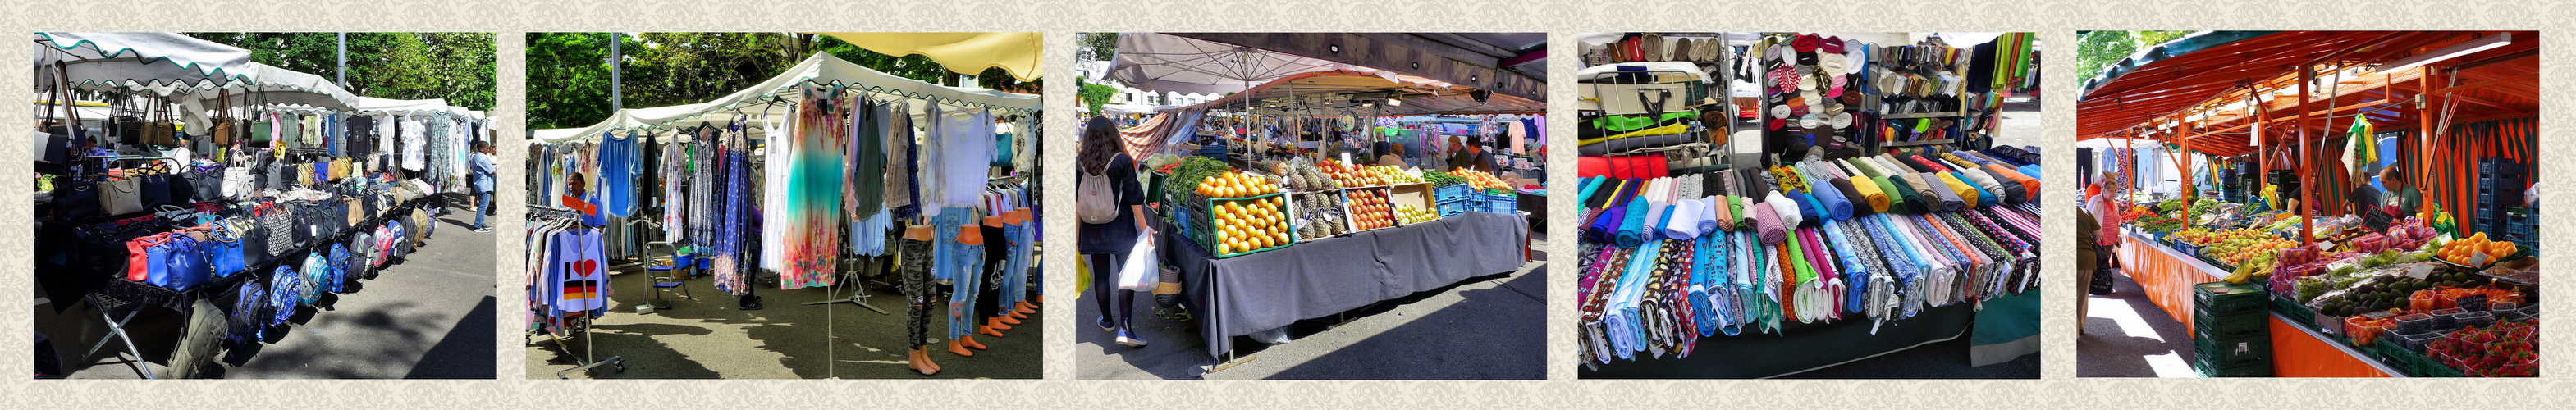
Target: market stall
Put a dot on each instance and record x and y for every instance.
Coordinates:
(824, 176)
(232, 192)
(2252, 215)
(1863, 245)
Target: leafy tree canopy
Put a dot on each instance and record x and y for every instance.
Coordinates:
(457, 67)
(568, 73)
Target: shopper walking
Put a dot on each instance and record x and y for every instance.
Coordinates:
(1112, 207)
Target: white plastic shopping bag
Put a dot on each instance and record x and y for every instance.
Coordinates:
(1139, 273)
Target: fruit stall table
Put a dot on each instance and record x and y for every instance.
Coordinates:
(1251, 293)
(2298, 350)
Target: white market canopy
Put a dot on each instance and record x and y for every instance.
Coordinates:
(100, 61)
(372, 105)
(756, 101)
(964, 53)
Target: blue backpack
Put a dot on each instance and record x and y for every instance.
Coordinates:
(337, 278)
(250, 311)
(284, 288)
(317, 272)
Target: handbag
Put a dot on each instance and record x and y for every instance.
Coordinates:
(184, 263)
(140, 259)
(238, 183)
(222, 132)
(76, 197)
(206, 183)
(280, 223)
(155, 187)
(120, 195)
(253, 238)
(160, 131)
(223, 248)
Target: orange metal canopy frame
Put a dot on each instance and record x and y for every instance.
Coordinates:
(2213, 99)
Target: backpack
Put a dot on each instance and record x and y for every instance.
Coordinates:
(284, 291)
(250, 311)
(1096, 201)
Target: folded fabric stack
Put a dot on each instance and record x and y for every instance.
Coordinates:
(1875, 238)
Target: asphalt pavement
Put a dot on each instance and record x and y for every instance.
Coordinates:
(706, 335)
(429, 317)
(1483, 328)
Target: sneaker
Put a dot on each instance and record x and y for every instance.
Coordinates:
(1128, 337)
(1105, 326)
(483, 229)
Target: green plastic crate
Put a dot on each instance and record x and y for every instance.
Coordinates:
(2238, 325)
(2229, 352)
(2221, 298)
(2414, 364)
(2296, 312)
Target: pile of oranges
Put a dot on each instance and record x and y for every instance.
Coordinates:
(1248, 225)
(1236, 185)
(1481, 180)
(1369, 209)
(2465, 250)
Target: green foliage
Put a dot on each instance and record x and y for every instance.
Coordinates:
(458, 67)
(1094, 95)
(2097, 49)
(1100, 46)
(568, 78)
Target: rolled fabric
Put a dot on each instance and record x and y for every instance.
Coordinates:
(1887, 190)
(1866, 192)
(2028, 170)
(1656, 211)
(1810, 211)
(1708, 210)
(1947, 196)
(1859, 263)
(1830, 195)
(1829, 282)
(2013, 192)
(1631, 227)
(1978, 178)
(1790, 216)
(1794, 258)
(1705, 315)
(1743, 208)
(1620, 313)
(1684, 221)
(1605, 229)
(1590, 185)
(2029, 183)
(1908, 163)
(1916, 200)
(1766, 221)
(1965, 191)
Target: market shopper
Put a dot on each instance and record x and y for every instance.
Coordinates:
(1108, 172)
(479, 179)
(2105, 207)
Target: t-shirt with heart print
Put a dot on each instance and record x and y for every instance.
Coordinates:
(579, 275)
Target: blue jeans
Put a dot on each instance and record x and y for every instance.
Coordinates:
(483, 205)
(961, 264)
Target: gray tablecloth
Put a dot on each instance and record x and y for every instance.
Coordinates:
(1262, 291)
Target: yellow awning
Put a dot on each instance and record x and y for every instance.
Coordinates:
(964, 53)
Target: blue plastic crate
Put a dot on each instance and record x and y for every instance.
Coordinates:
(1500, 204)
(1452, 192)
(1453, 207)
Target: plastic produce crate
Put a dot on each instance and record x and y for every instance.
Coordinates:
(1451, 192)
(1199, 225)
(1500, 204)
(1453, 207)
(2255, 323)
(2230, 352)
(2222, 299)
(2252, 370)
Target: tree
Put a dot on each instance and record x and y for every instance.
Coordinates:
(2097, 49)
(458, 67)
(568, 72)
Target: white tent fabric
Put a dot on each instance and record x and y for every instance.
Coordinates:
(1168, 63)
(821, 68)
(118, 60)
(372, 105)
(270, 85)
(1129, 108)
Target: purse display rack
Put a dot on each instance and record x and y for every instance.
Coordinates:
(209, 261)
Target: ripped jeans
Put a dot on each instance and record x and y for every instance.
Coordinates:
(961, 264)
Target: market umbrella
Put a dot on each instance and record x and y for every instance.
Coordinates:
(1169, 63)
(964, 53)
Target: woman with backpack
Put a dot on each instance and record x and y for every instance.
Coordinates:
(1112, 207)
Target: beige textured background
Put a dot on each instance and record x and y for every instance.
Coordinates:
(2056, 20)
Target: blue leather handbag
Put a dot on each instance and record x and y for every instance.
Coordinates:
(224, 252)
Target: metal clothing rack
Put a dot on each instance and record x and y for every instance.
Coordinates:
(588, 358)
